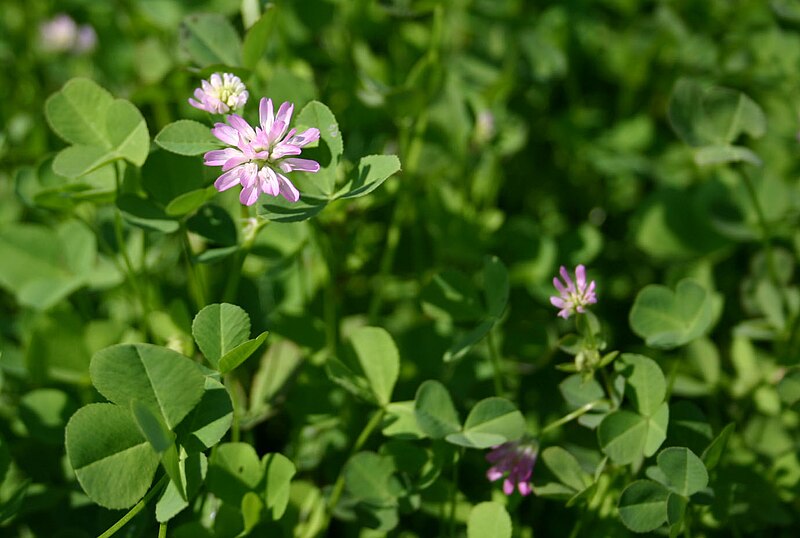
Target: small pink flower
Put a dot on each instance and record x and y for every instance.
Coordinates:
(513, 461)
(220, 94)
(62, 34)
(259, 157)
(58, 34)
(573, 296)
(86, 40)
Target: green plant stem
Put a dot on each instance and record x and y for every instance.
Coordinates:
(230, 382)
(451, 519)
(572, 416)
(162, 530)
(687, 532)
(589, 515)
(136, 508)
(329, 299)
(195, 288)
(496, 363)
(766, 234)
(338, 487)
(119, 237)
(124, 268)
(612, 392)
(235, 277)
(584, 326)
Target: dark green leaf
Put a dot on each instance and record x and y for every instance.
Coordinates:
(713, 453)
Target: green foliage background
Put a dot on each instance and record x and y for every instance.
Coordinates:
(539, 133)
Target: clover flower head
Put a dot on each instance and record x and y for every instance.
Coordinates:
(259, 157)
(62, 34)
(58, 34)
(513, 461)
(86, 39)
(220, 94)
(573, 296)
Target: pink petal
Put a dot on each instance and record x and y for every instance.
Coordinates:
(590, 290)
(219, 157)
(284, 114)
(249, 174)
(524, 488)
(281, 150)
(275, 133)
(239, 123)
(493, 474)
(306, 137)
(249, 195)
(558, 302)
(580, 276)
(288, 190)
(559, 286)
(226, 133)
(567, 279)
(288, 136)
(265, 114)
(228, 180)
(234, 161)
(508, 487)
(269, 181)
(304, 165)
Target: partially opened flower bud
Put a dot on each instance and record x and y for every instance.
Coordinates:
(220, 94)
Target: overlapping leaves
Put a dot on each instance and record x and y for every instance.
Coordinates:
(170, 408)
(100, 128)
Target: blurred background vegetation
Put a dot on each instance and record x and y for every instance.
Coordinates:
(534, 131)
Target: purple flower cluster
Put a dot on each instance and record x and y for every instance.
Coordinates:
(514, 462)
(573, 296)
(260, 156)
